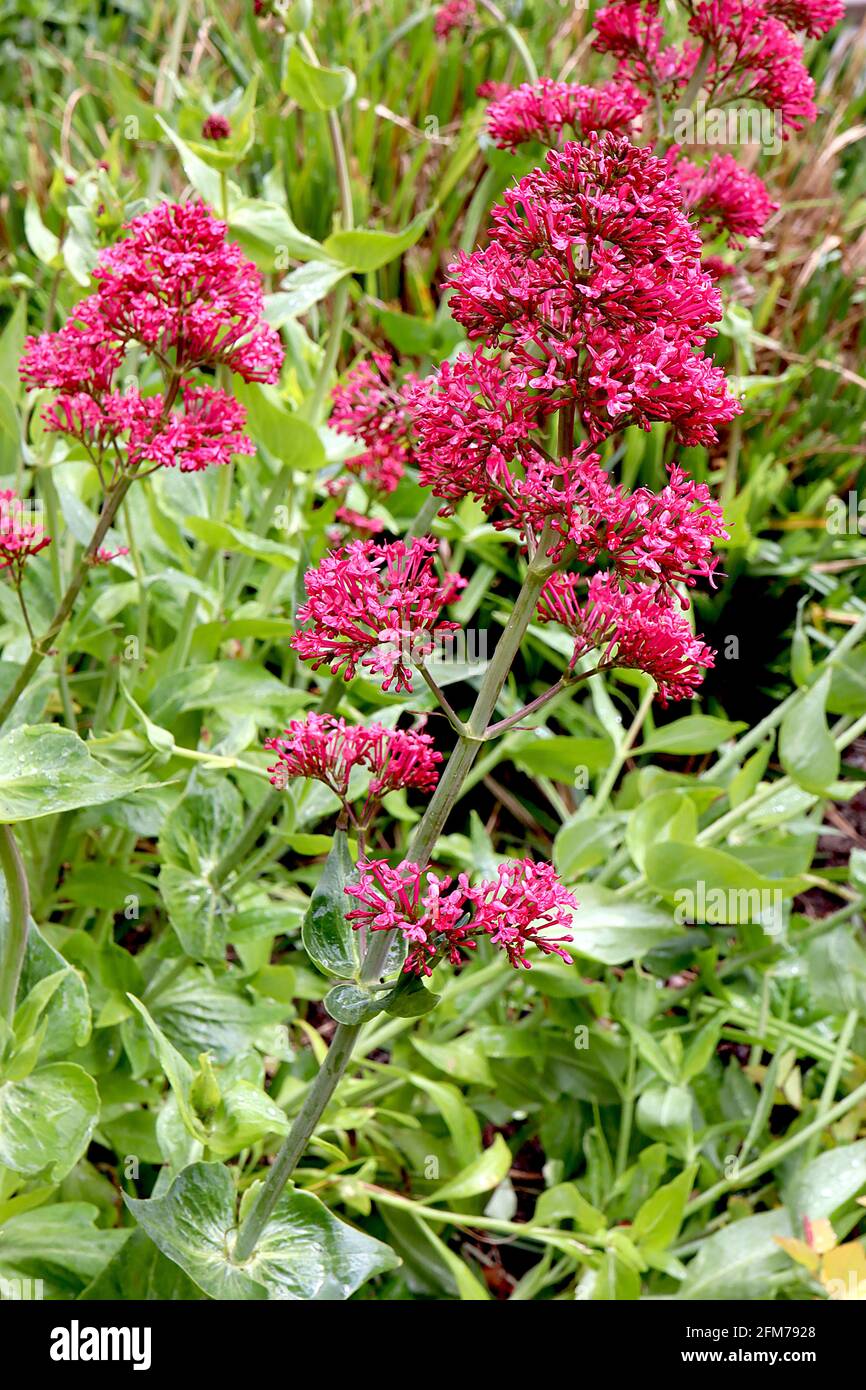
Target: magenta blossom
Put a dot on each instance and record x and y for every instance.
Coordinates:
(548, 110)
(216, 127)
(22, 533)
(724, 195)
(438, 921)
(178, 287)
(328, 749)
(369, 406)
(375, 606)
(640, 626)
(454, 15)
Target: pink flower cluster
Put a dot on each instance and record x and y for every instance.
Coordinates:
(438, 921)
(325, 748)
(590, 297)
(328, 749)
(641, 626)
(454, 15)
(216, 127)
(545, 109)
(369, 406)
(723, 195)
(176, 287)
(374, 605)
(751, 52)
(21, 533)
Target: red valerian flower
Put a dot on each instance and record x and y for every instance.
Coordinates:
(640, 626)
(104, 556)
(634, 34)
(326, 748)
(454, 15)
(812, 17)
(438, 921)
(756, 54)
(545, 110)
(209, 429)
(358, 521)
(22, 533)
(592, 283)
(724, 195)
(371, 407)
(81, 357)
(373, 605)
(177, 286)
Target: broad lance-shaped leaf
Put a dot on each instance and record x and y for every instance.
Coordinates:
(46, 768)
(328, 938)
(304, 1253)
(59, 1244)
(46, 1120)
(806, 748)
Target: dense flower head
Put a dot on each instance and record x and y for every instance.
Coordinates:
(545, 110)
(754, 53)
(724, 195)
(216, 127)
(371, 407)
(359, 521)
(593, 287)
(439, 918)
(374, 605)
(638, 626)
(454, 15)
(208, 430)
(812, 17)
(634, 34)
(326, 748)
(178, 287)
(82, 356)
(22, 533)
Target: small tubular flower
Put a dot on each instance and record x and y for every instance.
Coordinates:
(454, 15)
(22, 533)
(638, 626)
(371, 407)
(438, 920)
(328, 749)
(546, 110)
(375, 606)
(177, 286)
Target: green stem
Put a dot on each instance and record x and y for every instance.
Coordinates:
(515, 38)
(13, 939)
(774, 1155)
(40, 649)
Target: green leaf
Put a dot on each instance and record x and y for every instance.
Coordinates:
(47, 1119)
(43, 243)
(351, 1003)
(286, 435)
(304, 1253)
(719, 887)
(316, 88)
(46, 768)
(667, 815)
(59, 1244)
(658, 1221)
(739, 1261)
(806, 748)
(827, 1183)
(139, 1272)
(697, 733)
(366, 250)
(328, 938)
(559, 756)
(302, 289)
(487, 1171)
(194, 909)
(606, 929)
